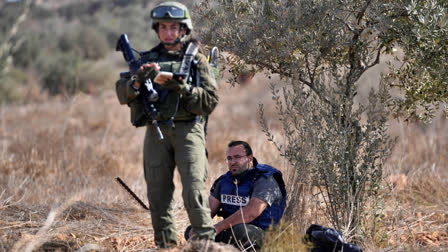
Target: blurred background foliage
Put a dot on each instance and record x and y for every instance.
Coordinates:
(65, 47)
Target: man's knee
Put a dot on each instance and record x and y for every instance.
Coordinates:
(248, 231)
(245, 235)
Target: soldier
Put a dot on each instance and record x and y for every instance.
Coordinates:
(180, 105)
(250, 197)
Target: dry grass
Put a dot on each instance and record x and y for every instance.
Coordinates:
(416, 210)
(58, 160)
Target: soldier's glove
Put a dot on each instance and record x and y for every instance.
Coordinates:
(178, 86)
(144, 74)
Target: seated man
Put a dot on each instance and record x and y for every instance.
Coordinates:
(250, 197)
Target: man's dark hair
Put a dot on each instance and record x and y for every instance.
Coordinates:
(244, 144)
(247, 148)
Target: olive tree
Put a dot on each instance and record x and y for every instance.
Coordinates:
(321, 49)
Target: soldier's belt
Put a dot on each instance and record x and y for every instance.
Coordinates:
(167, 122)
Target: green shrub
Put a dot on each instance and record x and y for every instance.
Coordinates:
(8, 15)
(26, 53)
(68, 74)
(86, 42)
(41, 13)
(8, 91)
(11, 87)
(61, 75)
(132, 20)
(94, 76)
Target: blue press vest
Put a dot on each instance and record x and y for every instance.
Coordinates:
(243, 191)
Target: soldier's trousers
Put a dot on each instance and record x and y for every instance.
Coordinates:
(184, 147)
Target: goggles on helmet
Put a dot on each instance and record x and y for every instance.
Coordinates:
(168, 12)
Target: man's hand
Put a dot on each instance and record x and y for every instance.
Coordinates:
(146, 71)
(163, 77)
(247, 214)
(178, 86)
(221, 226)
(173, 82)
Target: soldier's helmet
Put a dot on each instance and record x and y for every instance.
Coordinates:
(171, 12)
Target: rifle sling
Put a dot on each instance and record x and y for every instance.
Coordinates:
(190, 53)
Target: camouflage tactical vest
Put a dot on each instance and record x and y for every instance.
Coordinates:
(170, 103)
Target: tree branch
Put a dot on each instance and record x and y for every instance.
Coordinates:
(377, 59)
(363, 11)
(6, 46)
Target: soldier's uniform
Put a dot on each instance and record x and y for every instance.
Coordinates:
(183, 145)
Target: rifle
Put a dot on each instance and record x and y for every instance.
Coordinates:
(147, 94)
(212, 59)
(134, 196)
